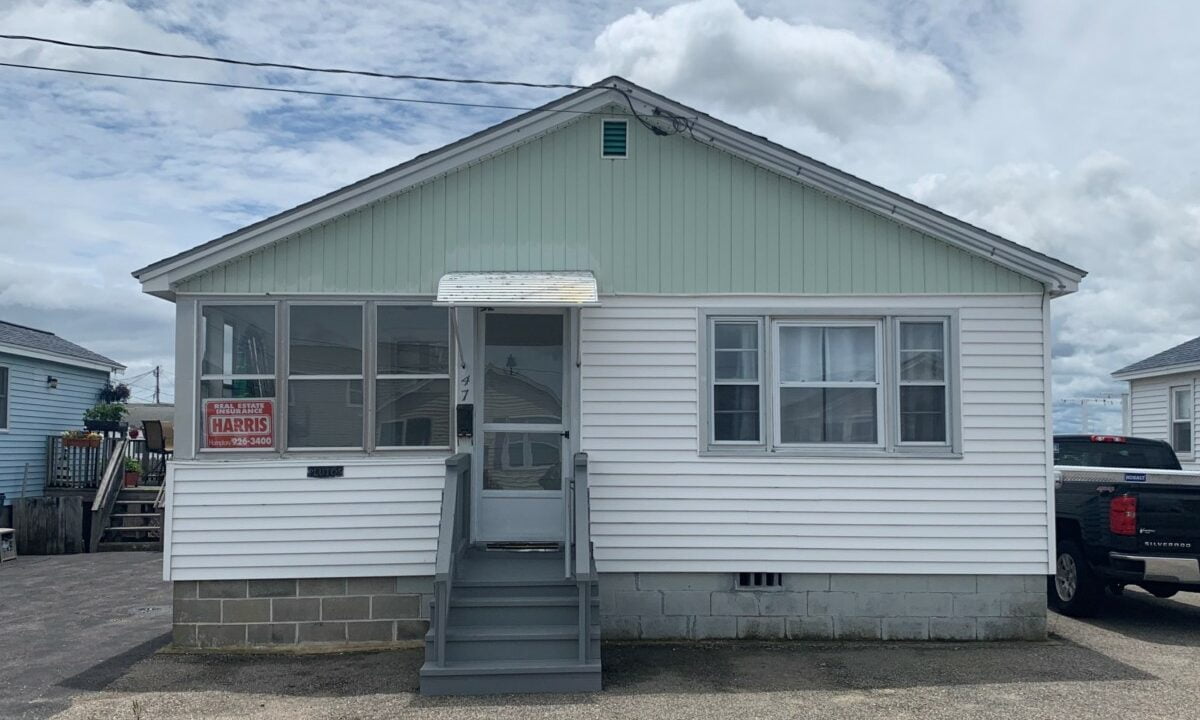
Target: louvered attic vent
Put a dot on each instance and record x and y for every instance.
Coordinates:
(614, 139)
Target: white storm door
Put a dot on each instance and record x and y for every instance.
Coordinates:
(521, 420)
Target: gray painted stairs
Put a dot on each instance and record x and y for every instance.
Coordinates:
(513, 627)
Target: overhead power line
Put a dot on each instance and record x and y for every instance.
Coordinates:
(289, 66)
(677, 123)
(296, 91)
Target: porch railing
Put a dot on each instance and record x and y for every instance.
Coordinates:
(453, 538)
(70, 467)
(106, 493)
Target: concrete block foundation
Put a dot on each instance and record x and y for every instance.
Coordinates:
(325, 611)
(705, 606)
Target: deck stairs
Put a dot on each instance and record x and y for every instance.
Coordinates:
(513, 627)
(135, 522)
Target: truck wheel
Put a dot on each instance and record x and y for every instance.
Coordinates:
(1074, 589)
(1159, 590)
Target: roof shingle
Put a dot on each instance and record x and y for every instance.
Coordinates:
(1187, 353)
(48, 342)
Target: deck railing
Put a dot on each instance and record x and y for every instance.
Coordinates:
(453, 537)
(81, 468)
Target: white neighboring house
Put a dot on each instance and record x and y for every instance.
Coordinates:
(808, 406)
(1162, 399)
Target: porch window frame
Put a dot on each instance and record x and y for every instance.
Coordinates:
(889, 444)
(1175, 419)
(373, 365)
(282, 306)
(279, 418)
(367, 397)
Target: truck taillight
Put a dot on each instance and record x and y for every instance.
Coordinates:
(1122, 515)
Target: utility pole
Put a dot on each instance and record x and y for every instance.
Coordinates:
(157, 375)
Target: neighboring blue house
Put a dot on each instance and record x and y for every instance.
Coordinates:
(45, 385)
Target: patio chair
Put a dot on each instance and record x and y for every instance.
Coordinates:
(159, 446)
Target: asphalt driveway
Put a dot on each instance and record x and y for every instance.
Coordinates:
(1139, 660)
(75, 623)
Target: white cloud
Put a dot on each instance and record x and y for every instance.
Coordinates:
(713, 54)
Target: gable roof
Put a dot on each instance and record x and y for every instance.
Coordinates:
(1059, 277)
(1182, 357)
(45, 345)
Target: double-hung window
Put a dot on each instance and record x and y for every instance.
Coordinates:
(922, 381)
(3, 398)
(840, 382)
(237, 361)
(736, 396)
(828, 383)
(1181, 419)
(325, 376)
(412, 376)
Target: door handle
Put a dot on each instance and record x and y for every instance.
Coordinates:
(566, 434)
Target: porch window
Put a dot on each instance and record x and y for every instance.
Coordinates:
(325, 376)
(922, 374)
(737, 385)
(1181, 419)
(237, 358)
(412, 380)
(828, 384)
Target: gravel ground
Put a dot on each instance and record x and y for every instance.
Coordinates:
(1139, 660)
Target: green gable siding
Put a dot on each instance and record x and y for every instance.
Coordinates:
(674, 217)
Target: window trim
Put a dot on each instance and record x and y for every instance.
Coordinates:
(761, 380)
(1174, 419)
(777, 382)
(888, 409)
(282, 305)
(946, 381)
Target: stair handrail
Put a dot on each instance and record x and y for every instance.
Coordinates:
(582, 520)
(582, 550)
(106, 492)
(453, 534)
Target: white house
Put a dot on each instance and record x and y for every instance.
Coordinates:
(1162, 398)
(610, 342)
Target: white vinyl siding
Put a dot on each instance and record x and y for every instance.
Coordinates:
(266, 519)
(1150, 409)
(660, 505)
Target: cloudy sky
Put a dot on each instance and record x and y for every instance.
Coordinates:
(1068, 126)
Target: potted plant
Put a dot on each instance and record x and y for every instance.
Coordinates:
(81, 438)
(114, 393)
(105, 417)
(133, 472)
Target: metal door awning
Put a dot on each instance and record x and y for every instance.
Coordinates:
(541, 289)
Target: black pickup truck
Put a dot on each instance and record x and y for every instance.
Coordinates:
(1126, 515)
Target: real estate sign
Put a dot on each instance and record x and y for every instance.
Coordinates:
(239, 424)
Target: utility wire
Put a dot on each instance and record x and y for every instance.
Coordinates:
(297, 91)
(678, 123)
(288, 66)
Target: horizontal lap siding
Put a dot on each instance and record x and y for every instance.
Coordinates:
(36, 412)
(263, 519)
(658, 505)
(1150, 409)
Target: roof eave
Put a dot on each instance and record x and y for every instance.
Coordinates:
(1175, 369)
(60, 358)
